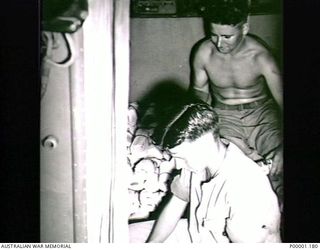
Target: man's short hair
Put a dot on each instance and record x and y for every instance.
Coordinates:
(226, 12)
(191, 122)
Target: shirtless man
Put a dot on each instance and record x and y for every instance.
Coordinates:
(240, 78)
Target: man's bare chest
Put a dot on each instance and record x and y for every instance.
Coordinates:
(236, 73)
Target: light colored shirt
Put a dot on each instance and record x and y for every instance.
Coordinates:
(238, 195)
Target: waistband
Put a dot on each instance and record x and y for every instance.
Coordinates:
(243, 106)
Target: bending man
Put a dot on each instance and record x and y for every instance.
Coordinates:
(231, 199)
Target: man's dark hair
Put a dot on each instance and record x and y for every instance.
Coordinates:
(190, 123)
(228, 12)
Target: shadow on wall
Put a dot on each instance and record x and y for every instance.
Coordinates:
(161, 102)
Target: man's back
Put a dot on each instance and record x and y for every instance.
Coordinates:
(254, 205)
(240, 201)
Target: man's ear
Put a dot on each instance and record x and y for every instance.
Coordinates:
(245, 28)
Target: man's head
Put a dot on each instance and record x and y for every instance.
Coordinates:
(226, 12)
(189, 123)
(228, 23)
(189, 136)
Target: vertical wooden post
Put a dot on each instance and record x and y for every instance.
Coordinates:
(98, 76)
(121, 93)
(106, 68)
(78, 144)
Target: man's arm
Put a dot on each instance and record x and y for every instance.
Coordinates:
(273, 78)
(199, 80)
(168, 220)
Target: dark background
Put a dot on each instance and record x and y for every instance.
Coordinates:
(302, 121)
(19, 119)
(20, 109)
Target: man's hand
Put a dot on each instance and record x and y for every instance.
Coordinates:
(277, 163)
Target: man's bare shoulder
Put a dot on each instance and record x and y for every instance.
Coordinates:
(261, 54)
(257, 46)
(205, 47)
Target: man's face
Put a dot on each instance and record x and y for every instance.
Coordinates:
(190, 155)
(227, 37)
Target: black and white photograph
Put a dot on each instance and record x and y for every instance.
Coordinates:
(160, 121)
